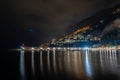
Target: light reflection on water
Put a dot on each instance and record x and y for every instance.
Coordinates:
(33, 64)
(54, 63)
(22, 65)
(41, 63)
(80, 65)
(48, 62)
(88, 68)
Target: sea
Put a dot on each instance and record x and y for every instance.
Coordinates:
(61, 65)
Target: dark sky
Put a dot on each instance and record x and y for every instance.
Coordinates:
(38, 21)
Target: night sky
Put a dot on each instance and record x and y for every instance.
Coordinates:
(34, 22)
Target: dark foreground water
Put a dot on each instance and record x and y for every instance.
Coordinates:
(67, 65)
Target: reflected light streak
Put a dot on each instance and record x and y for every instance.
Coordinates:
(101, 54)
(60, 66)
(41, 63)
(74, 62)
(48, 61)
(22, 65)
(54, 63)
(78, 66)
(115, 57)
(32, 64)
(68, 62)
(81, 69)
(88, 68)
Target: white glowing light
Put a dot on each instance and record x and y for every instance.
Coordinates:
(54, 48)
(32, 48)
(68, 48)
(22, 47)
(86, 47)
(48, 48)
(41, 48)
(59, 48)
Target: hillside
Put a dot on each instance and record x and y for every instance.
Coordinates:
(104, 25)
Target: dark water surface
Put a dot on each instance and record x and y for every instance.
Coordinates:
(67, 65)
